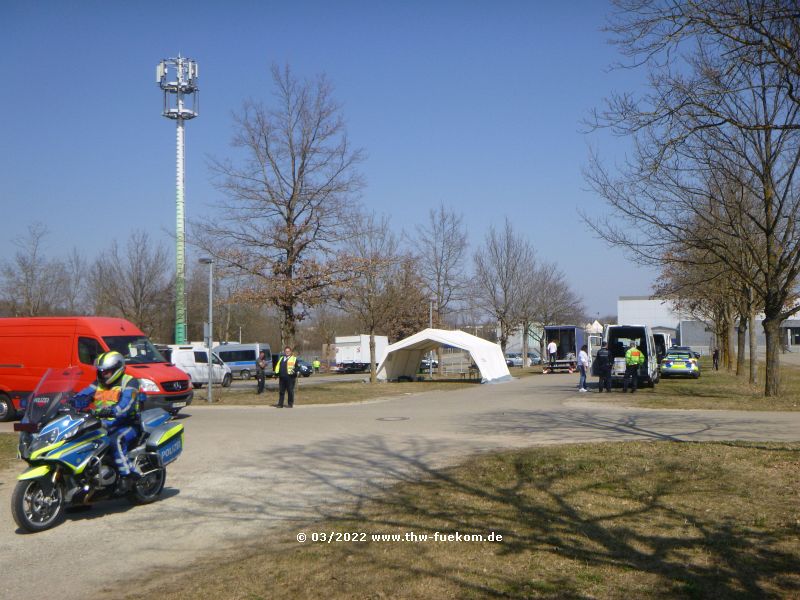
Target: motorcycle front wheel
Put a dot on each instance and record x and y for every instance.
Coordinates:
(148, 488)
(37, 504)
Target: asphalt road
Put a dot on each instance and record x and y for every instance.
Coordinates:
(250, 472)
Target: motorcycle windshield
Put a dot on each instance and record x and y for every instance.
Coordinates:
(53, 391)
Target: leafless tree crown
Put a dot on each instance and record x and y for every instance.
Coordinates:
(442, 242)
(285, 197)
(712, 178)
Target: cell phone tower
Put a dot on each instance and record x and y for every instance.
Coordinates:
(177, 77)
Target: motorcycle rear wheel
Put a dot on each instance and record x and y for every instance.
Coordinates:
(37, 504)
(148, 488)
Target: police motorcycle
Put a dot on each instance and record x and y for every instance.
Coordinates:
(70, 457)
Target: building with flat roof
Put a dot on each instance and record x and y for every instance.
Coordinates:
(662, 316)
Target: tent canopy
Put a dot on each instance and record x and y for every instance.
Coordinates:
(403, 357)
(595, 327)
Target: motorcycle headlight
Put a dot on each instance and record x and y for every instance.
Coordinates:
(48, 438)
(148, 385)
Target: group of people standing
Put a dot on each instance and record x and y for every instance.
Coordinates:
(604, 362)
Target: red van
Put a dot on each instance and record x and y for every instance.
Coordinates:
(30, 345)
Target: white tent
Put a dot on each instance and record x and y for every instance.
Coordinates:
(595, 327)
(403, 357)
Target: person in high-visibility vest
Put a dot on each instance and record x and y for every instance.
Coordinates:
(114, 398)
(284, 369)
(316, 364)
(633, 358)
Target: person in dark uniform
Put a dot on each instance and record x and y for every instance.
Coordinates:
(285, 370)
(716, 359)
(602, 364)
(261, 371)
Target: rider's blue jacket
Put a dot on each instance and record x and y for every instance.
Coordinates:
(122, 398)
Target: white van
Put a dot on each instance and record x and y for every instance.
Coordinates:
(663, 343)
(241, 358)
(193, 361)
(593, 342)
(619, 338)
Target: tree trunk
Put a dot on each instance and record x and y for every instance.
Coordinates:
(724, 336)
(753, 348)
(727, 337)
(772, 380)
(373, 370)
(503, 337)
(525, 327)
(227, 329)
(287, 326)
(741, 334)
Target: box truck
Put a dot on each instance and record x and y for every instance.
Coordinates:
(31, 345)
(352, 352)
(568, 339)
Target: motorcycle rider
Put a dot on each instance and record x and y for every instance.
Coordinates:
(114, 398)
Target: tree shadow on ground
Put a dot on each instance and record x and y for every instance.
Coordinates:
(536, 500)
(540, 508)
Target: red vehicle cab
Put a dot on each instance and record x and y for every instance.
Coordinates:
(31, 345)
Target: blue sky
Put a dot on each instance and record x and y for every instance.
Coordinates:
(474, 104)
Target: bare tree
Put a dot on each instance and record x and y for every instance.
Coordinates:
(134, 283)
(722, 107)
(286, 198)
(406, 296)
(443, 242)
(373, 258)
(75, 276)
(707, 293)
(33, 283)
(500, 270)
(553, 301)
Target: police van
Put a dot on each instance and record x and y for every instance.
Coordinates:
(241, 358)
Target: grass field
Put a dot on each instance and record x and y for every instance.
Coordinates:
(628, 520)
(8, 451)
(331, 393)
(345, 391)
(713, 390)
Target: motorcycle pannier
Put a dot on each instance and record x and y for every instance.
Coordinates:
(167, 441)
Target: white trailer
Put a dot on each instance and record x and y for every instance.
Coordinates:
(352, 351)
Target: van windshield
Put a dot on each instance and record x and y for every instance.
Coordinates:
(136, 349)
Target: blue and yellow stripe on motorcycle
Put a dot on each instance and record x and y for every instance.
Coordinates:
(41, 451)
(170, 433)
(34, 472)
(76, 447)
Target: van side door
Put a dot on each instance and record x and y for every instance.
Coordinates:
(89, 349)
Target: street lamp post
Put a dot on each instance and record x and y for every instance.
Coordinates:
(430, 354)
(210, 337)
